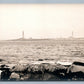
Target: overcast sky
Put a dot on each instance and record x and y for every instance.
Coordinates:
(41, 20)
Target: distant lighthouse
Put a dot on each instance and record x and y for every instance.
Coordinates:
(72, 34)
(23, 34)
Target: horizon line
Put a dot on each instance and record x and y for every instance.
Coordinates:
(20, 39)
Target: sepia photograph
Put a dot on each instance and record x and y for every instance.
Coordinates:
(41, 42)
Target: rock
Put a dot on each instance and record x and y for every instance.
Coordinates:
(45, 67)
(0, 74)
(40, 59)
(76, 67)
(48, 76)
(64, 63)
(78, 63)
(5, 74)
(1, 60)
(48, 67)
(76, 70)
(14, 76)
(22, 79)
(41, 67)
(11, 66)
(60, 67)
(53, 67)
(36, 76)
(35, 68)
(4, 67)
(26, 76)
(19, 68)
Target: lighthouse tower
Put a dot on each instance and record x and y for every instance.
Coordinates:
(72, 34)
(22, 34)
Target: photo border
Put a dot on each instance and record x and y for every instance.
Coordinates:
(41, 2)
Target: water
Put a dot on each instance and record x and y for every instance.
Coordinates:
(13, 52)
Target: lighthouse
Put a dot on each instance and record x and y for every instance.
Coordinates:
(22, 34)
(72, 34)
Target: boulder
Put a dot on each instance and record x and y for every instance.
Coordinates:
(41, 67)
(19, 68)
(4, 67)
(0, 74)
(40, 59)
(48, 76)
(35, 68)
(76, 70)
(64, 63)
(48, 67)
(76, 67)
(14, 76)
(45, 67)
(5, 74)
(26, 77)
(1, 60)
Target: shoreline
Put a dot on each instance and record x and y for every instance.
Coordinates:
(39, 71)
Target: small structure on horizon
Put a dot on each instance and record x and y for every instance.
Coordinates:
(22, 34)
(72, 35)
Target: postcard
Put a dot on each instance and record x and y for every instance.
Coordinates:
(42, 40)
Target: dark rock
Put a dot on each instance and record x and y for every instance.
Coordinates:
(0, 74)
(40, 59)
(48, 59)
(36, 76)
(4, 66)
(1, 60)
(5, 74)
(49, 76)
(78, 63)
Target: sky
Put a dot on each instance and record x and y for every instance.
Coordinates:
(41, 20)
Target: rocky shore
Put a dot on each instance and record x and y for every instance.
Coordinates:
(42, 71)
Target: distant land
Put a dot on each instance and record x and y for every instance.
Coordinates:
(39, 39)
(44, 39)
